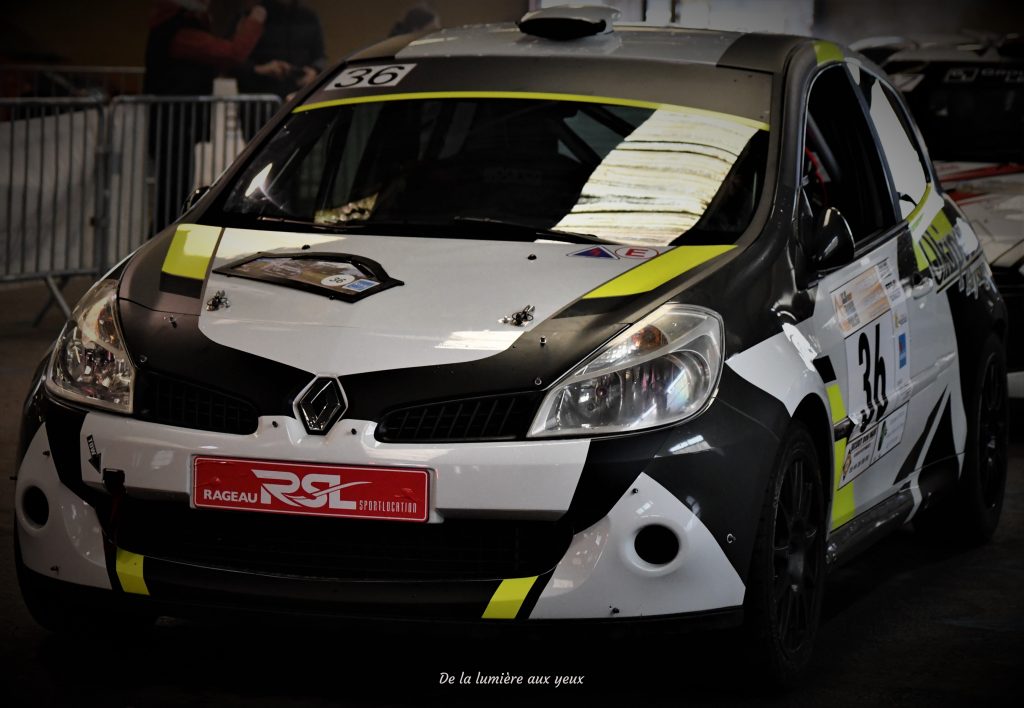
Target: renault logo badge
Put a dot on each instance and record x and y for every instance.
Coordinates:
(321, 405)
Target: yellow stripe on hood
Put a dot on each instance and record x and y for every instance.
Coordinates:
(191, 251)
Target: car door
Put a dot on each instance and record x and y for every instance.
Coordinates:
(939, 246)
(866, 316)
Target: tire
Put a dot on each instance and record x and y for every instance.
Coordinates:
(970, 512)
(787, 574)
(63, 608)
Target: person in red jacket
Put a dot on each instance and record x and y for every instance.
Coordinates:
(183, 57)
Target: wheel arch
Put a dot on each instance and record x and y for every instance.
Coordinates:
(812, 412)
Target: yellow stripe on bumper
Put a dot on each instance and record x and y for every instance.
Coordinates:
(508, 598)
(191, 251)
(658, 271)
(129, 572)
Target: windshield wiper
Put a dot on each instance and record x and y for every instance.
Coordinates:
(548, 234)
(458, 227)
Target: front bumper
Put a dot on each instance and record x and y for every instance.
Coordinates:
(538, 530)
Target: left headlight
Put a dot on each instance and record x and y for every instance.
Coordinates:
(89, 363)
(661, 370)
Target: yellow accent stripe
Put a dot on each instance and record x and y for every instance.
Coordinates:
(508, 598)
(915, 215)
(534, 95)
(129, 572)
(826, 52)
(913, 221)
(835, 401)
(658, 271)
(191, 251)
(842, 499)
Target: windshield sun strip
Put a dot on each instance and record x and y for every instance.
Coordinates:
(532, 95)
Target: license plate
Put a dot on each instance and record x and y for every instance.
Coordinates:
(310, 489)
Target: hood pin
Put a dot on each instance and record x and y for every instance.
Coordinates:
(519, 319)
(218, 301)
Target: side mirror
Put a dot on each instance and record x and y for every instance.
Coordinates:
(832, 240)
(193, 199)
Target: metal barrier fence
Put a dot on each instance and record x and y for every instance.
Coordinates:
(51, 172)
(163, 147)
(54, 80)
(83, 184)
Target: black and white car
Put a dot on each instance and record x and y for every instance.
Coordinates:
(543, 323)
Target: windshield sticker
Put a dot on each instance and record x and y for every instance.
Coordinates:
(362, 77)
(337, 276)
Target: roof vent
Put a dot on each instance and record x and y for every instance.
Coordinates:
(564, 22)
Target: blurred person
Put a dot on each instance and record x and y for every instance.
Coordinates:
(290, 53)
(183, 57)
(418, 18)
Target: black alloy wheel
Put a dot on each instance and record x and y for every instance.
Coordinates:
(797, 556)
(786, 582)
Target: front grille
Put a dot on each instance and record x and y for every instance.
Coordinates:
(304, 546)
(493, 418)
(171, 401)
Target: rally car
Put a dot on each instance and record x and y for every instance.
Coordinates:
(966, 93)
(536, 323)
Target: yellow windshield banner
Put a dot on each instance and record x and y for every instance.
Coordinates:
(658, 271)
(531, 95)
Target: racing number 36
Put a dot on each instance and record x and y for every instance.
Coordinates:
(378, 76)
(873, 366)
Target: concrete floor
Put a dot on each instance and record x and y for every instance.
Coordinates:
(906, 624)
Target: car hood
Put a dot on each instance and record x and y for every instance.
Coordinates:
(448, 308)
(992, 197)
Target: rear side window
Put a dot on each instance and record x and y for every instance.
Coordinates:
(906, 164)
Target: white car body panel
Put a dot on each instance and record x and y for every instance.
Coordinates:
(529, 479)
(437, 317)
(69, 546)
(601, 574)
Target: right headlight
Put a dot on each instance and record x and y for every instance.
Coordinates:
(661, 370)
(90, 364)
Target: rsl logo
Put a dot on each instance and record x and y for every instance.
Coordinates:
(310, 489)
(313, 491)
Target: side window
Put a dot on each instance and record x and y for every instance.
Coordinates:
(906, 165)
(842, 168)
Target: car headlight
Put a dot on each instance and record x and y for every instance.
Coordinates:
(661, 370)
(89, 363)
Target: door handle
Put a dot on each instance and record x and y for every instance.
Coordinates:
(922, 285)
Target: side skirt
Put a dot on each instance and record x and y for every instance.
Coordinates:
(865, 529)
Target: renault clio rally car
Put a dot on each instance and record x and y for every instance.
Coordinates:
(556, 322)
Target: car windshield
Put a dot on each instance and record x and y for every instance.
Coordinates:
(629, 172)
(968, 113)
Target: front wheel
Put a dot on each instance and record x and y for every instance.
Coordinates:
(787, 574)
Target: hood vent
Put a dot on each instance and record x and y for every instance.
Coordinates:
(567, 22)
